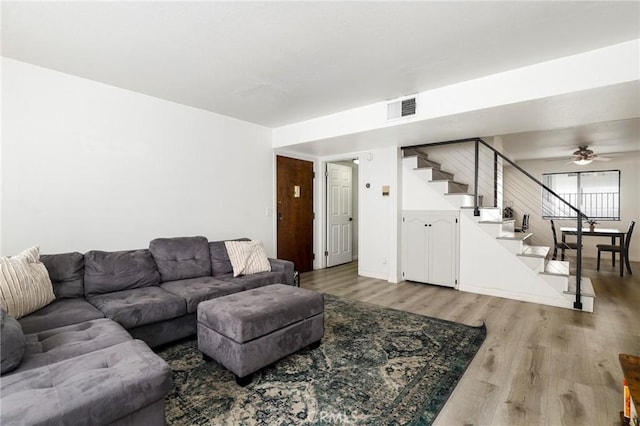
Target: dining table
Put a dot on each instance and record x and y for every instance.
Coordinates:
(614, 234)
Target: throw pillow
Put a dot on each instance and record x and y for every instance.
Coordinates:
(247, 257)
(12, 343)
(25, 285)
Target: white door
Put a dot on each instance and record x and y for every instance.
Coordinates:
(430, 247)
(415, 250)
(339, 214)
(443, 250)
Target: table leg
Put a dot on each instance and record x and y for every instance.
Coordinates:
(613, 253)
(621, 245)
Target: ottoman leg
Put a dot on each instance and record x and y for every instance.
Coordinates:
(316, 344)
(206, 357)
(244, 381)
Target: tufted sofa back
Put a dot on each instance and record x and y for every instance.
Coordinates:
(220, 262)
(66, 271)
(181, 257)
(107, 272)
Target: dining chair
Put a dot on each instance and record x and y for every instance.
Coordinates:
(560, 245)
(525, 224)
(624, 251)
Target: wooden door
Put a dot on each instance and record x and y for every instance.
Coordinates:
(339, 214)
(294, 182)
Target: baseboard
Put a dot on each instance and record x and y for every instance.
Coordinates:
(560, 302)
(376, 275)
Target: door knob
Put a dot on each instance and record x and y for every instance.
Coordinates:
(280, 218)
(350, 219)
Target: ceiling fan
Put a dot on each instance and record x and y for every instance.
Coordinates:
(585, 156)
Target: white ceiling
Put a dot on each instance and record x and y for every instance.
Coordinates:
(276, 63)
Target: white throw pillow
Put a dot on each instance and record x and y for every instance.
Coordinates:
(25, 285)
(247, 257)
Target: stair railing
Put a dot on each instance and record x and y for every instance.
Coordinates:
(580, 216)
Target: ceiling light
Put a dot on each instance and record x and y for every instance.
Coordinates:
(582, 162)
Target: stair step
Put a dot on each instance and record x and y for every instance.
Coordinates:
(503, 221)
(462, 193)
(535, 251)
(482, 208)
(458, 199)
(486, 213)
(413, 152)
(425, 162)
(421, 161)
(586, 287)
(556, 267)
(437, 174)
(515, 236)
(453, 186)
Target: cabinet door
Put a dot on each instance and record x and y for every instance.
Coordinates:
(415, 247)
(442, 249)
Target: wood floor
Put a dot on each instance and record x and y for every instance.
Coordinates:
(539, 365)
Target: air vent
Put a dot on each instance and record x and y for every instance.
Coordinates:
(400, 108)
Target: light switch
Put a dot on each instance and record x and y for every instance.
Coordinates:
(385, 190)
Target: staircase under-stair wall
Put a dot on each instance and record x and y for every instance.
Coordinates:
(493, 260)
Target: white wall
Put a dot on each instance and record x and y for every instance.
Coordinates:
(517, 187)
(91, 166)
(379, 216)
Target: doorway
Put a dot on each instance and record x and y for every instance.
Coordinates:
(294, 192)
(341, 212)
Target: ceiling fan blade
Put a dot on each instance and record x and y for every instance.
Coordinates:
(602, 159)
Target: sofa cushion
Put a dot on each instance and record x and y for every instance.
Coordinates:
(59, 344)
(96, 388)
(12, 343)
(220, 262)
(247, 257)
(59, 313)
(181, 257)
(260, 279)
(140, 306)
(25, 285)
(195, 290)
(66, 271)
(163, 332)
(107, 272)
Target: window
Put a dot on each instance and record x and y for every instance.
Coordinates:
(596, 194)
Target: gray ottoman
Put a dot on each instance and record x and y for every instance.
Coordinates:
(249, 330)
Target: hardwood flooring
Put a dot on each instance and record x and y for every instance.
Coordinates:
(539, 365)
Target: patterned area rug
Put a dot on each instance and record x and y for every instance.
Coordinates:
(374, 366)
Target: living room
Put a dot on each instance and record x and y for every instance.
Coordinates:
(111, 136)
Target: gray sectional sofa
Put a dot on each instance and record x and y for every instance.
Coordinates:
(86, 357)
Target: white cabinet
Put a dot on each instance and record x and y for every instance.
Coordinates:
(430, 246)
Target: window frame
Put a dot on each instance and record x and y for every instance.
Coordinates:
(579, 194)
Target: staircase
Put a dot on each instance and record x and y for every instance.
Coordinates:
(494, 259)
